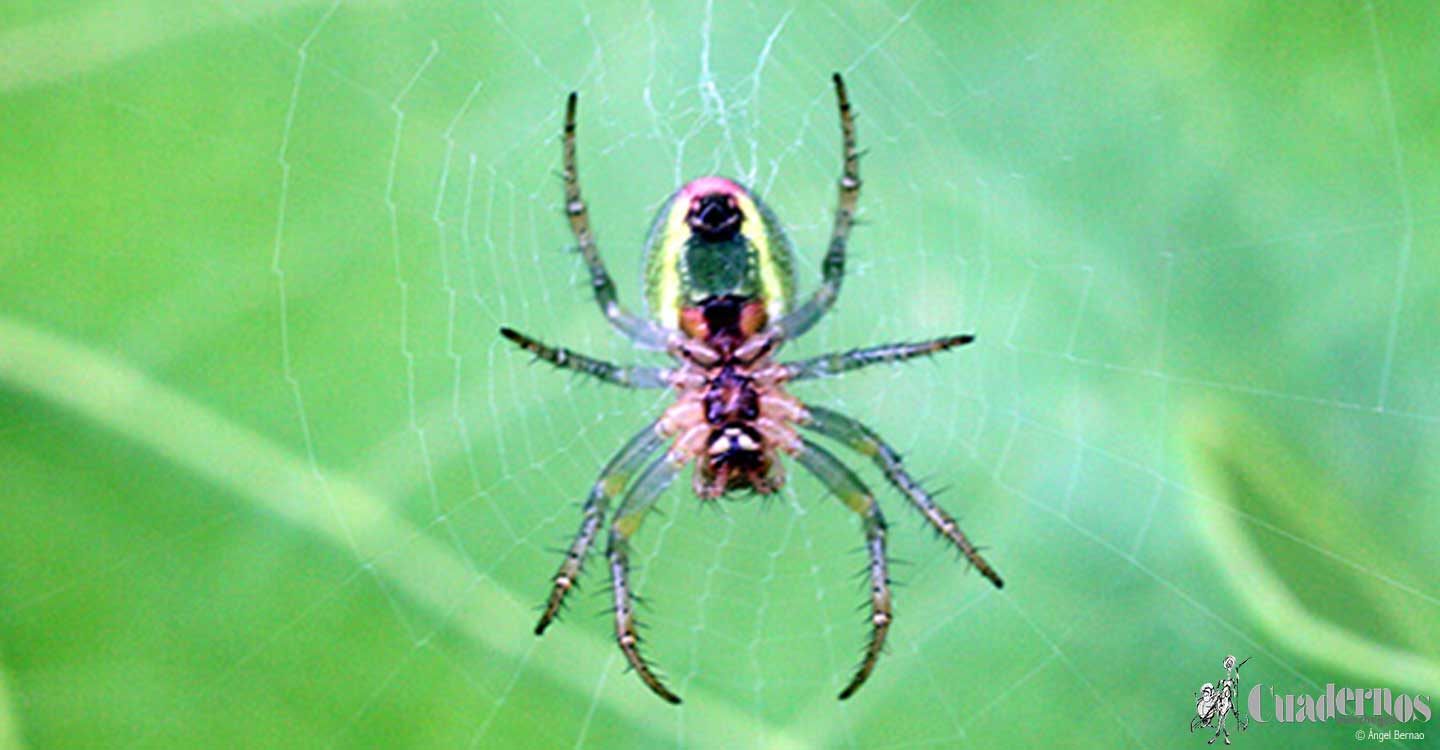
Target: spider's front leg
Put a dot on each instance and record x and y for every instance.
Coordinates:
(864, 441)
(612, 480)
(832, 268)
(643, 332)
(637, 503)
(839, 479)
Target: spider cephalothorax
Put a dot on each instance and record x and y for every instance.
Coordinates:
(720, 287)
(732, 414)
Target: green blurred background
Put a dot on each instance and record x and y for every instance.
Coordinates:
(270, 478)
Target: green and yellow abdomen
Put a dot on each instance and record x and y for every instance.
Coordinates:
(713, 238)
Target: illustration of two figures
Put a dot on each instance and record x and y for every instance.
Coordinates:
(1214, 704)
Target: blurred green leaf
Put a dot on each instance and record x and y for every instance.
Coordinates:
(1308, 563)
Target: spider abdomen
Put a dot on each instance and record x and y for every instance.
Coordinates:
(715, 238)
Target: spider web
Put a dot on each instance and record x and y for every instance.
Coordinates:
(1156, 229)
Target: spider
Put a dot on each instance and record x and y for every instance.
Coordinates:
(719, 283)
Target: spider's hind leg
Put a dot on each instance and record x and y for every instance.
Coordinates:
(832, 268)
(643, 332)
(838, 478)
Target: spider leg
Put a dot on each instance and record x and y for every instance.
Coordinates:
(612, 480)
(864, 441)
(643, 332)
(839, 479)
(565, 359)
(836, 363)
(832, 268)
(628, 517)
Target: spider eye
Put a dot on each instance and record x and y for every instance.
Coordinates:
(715, 217)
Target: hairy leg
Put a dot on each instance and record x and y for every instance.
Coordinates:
(621, 375)
(643, 332)
(864, 440)
(839, 479)
(611, 481)
(832, 268)
(628, 517)
(836, 363)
